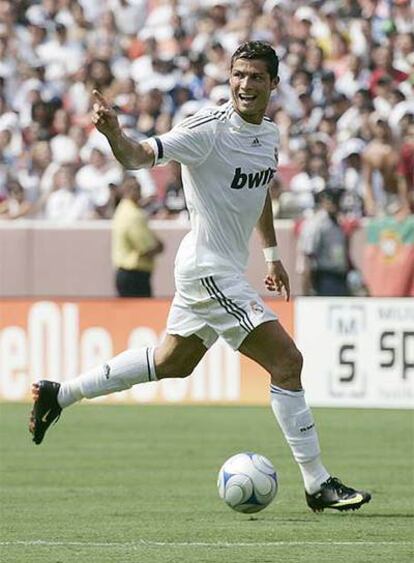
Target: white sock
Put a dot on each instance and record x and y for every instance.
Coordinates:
(119, 373)
(297, 424)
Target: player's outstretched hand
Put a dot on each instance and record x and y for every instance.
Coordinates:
(277, 278)
(104, 116)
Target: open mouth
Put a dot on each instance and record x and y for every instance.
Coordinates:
(247, 97)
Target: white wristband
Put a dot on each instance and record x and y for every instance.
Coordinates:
(271, 254)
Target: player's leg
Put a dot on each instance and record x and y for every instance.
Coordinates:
(271, 347)
(241, 317)
(187, 340)
(176, 356)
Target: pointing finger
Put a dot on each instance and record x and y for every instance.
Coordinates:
(100, 99)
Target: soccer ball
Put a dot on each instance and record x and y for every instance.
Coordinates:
(247, 482)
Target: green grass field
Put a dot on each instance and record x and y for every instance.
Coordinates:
(138, 483)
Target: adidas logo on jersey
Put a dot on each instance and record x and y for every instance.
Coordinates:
(256, 143)
(253, 179)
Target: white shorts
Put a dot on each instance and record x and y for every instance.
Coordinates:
(217, 306)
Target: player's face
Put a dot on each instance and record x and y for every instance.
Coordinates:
(251, 85)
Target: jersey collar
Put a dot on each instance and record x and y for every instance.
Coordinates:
(237, 121)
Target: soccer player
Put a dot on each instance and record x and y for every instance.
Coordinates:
(228, 156)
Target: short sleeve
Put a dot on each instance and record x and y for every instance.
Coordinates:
(189, 143)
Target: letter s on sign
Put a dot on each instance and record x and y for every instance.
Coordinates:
(346, 360)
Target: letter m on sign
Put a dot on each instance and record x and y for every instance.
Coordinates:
(346, 320)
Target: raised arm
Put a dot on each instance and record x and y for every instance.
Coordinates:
(277, 277)
(130, 154)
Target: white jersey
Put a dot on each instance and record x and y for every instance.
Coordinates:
(227, 165)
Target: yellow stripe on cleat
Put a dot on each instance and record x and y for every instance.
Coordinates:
(354, 500)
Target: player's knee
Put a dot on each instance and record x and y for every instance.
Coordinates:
(297, 360)
(171, 367)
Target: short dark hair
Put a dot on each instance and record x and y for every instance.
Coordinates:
(261, 51)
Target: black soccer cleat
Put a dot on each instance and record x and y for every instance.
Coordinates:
(336, 495)
(46, 408)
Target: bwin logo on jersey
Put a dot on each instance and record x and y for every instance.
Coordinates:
(252, 179)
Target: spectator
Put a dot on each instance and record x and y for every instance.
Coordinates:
(129, 16)
(104, 42)
(37, 170)
(77, 97)
(15, 205)
(382, 101)
(126, 98)
(355, 78)
(134, 245)
(405, 168)
(382, 59)
(314, 61)
(301, 81)
(403, 16)
(348, 173)
(324, 93)
(195, 78)
(143, 65)
(67, 202)
(152, 117)
(310, 117)
(364, 130)
(351, 121)
(404, 49)
(99, 75)
(96, 176)
(311, 181)
(379, 168)
(319, 145)
(63, 147)
(327, 125)
(10, 139)
(59, 54)
(340, 104)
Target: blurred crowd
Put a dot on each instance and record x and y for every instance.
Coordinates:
(344, 106)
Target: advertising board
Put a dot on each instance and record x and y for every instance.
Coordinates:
(58, 339)
(358, 352)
